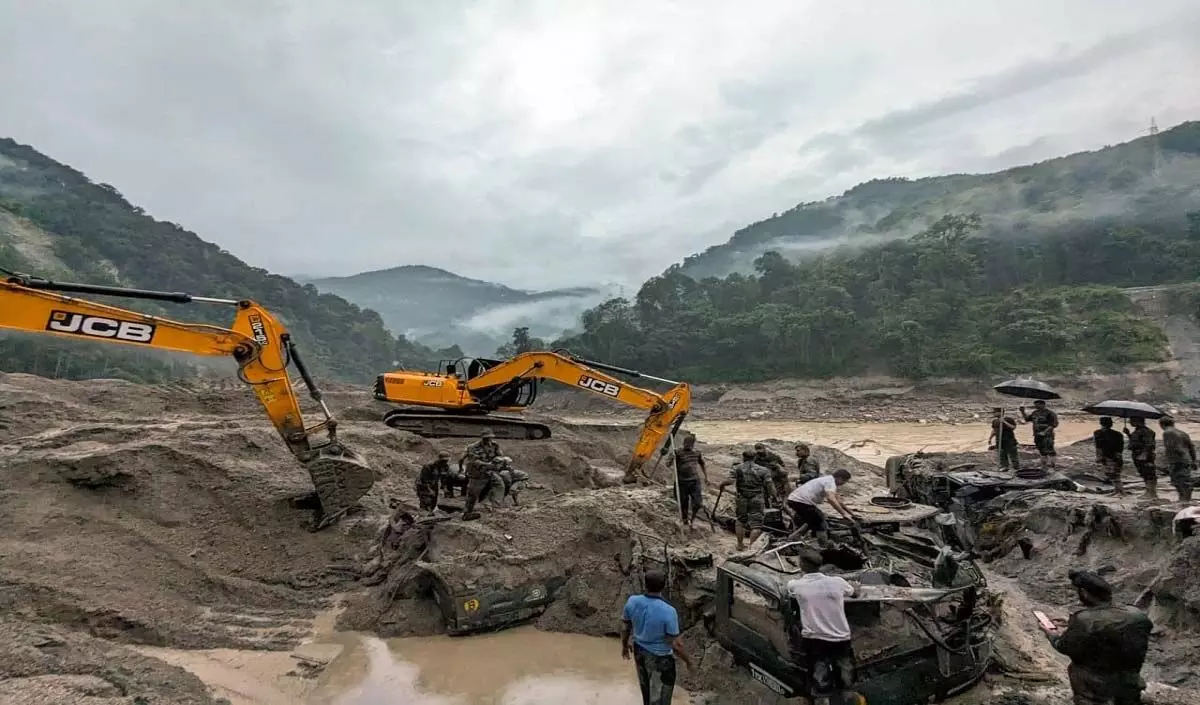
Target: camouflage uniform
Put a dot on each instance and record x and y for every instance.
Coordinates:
(1007, 448)
(753, 485)
(1181, 458)
(1141, 448)
(428, 479)
(809, 469)
(687, 474)
(479, 462)
(1044, 422)
(1107, 645)
(1110, 449)
(771, 460)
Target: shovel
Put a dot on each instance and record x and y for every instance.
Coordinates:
(712, 513)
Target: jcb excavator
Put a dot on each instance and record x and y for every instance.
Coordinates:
(258, 342)
(458, 401)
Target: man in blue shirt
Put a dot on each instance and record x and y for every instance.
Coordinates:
(654, 625)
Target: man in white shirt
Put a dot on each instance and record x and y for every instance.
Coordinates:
(826, 650)
(805, 503)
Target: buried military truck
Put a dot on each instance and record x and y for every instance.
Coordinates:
(912, 644)
(921, 626)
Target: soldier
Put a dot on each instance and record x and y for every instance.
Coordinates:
(808, 466)
(1044, 422)
(770, 460)
(428, 480)
(512, 480)
(1004, 437)
(1110, 449)
(1106, 643)
(752, 483)
(1141, 448)
(479, 460)
(1181, 457)
(689, 468)
(454, 479)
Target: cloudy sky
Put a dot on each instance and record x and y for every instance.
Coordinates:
(545, 143)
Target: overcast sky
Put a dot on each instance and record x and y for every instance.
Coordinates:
(545, 143)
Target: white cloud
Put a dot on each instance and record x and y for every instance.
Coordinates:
(543, 143)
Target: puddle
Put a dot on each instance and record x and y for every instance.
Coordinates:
(520, 666)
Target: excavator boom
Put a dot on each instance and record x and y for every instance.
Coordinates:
(459, 402)
(258, 342)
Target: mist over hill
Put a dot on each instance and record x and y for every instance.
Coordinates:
(1115, 186)
(439, 308)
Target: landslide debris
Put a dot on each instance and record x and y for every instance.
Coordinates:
(45, 665)
(1129, 541)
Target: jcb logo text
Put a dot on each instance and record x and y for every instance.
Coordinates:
(258, 330)
(100, 327)
(599, 385)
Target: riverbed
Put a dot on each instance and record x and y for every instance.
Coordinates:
(525, 666)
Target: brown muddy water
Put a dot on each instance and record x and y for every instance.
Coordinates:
(521, 666)
(870, 442)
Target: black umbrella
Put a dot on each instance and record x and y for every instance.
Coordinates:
(1124, 410)
(1027, 389)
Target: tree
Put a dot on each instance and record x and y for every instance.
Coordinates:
(945, 302)
(522, 342)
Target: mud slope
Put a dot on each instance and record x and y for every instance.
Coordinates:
(162, 516)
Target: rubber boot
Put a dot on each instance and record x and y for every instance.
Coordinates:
(1151, 491)
(1118, 487)
(1185, 494)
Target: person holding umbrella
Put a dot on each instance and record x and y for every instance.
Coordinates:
(1141, 438)
(1044, 422)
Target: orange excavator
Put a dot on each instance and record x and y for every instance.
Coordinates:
(258, 342)
(458, 400)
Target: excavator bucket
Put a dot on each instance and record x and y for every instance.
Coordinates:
(341, 477)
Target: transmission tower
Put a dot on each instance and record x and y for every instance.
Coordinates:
(1156, 157)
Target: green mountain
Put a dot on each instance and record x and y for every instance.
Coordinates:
(440, 308)
(1116, 186)
(56, 223)
(1031, 282)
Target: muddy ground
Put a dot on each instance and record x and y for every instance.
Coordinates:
(141, 517)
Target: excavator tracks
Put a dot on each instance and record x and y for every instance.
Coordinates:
(438, 424)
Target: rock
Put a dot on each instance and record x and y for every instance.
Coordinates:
(605, 474)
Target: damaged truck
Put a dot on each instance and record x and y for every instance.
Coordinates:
(920, 616)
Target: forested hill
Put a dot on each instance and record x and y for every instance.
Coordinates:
(951, 300)
(1115, 185)
(55, 222)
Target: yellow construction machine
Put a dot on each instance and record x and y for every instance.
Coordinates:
(258, 342)
(458, 400)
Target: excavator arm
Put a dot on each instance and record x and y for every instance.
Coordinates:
(258, 342)
(666, 411)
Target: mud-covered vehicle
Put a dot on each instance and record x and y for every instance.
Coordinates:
(920, 621)
(951, 482)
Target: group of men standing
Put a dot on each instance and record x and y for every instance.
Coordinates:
(1004, 435)
(761, 481)
(1110, 444)
(1178, 450)
(486, 473)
